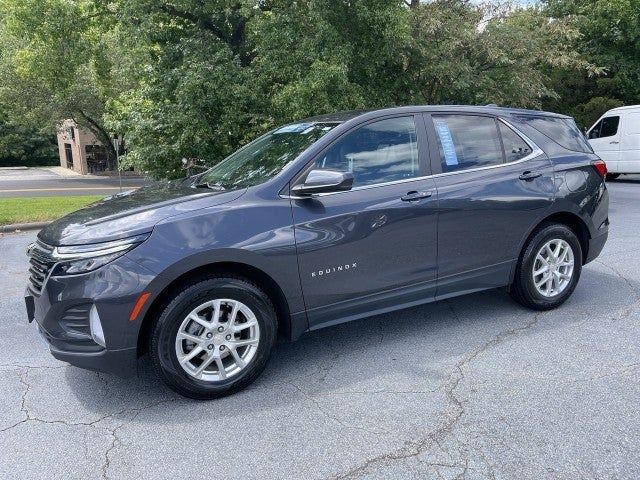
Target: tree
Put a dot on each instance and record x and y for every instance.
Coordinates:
(196, 80)
(22, 145)
(54, 63)
(609, 37)
(210, 76)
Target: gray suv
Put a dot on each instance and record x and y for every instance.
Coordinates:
(319, 222)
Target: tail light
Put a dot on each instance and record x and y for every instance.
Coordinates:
(600, 167)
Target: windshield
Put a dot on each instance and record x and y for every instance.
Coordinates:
(265, 157)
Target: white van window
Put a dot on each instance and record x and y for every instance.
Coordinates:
(607, 127)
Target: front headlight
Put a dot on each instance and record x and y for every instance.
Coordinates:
(74, 259)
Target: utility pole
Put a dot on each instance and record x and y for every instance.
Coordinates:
(116, 147)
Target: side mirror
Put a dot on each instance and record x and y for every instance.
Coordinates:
(324, 181)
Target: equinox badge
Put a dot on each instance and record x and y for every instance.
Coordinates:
(329, 271)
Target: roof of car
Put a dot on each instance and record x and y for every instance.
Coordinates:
(340, 117)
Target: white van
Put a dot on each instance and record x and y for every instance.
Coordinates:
(615, 137)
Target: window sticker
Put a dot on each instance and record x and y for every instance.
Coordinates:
(294, 128)
(449, 149)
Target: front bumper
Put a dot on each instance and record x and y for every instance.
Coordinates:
(61, 311)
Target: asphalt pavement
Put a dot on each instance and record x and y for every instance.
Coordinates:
(41, 182)
(476, 387)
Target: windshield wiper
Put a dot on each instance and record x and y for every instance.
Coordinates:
(210, 186)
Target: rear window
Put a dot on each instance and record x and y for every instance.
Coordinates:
(563, 131)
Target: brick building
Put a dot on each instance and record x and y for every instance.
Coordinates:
(80, 150)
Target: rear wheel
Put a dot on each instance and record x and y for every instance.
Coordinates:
(214, 338)
(549, 268)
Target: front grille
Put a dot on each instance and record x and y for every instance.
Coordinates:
(40, 263)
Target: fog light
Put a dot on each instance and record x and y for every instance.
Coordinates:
(96, 327)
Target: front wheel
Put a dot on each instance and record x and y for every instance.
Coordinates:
(548, 269)
(214, 338)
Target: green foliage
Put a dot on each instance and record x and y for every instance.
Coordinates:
(54, 63)
(586, 114)
(22, 145)
(213, 75)
(609, 37)
(195, 80)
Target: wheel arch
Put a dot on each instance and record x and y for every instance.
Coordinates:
(569, 219)
(237, 269)
(576, 224)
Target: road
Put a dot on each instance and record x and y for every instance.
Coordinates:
(475, 387)
(36, 182)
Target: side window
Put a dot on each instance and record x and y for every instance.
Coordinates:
(595, 131)
(467, 141)
(562, 130)
(382, 151)
(607, 127)
(515, 148)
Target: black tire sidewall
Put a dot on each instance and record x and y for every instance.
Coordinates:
(165, 331)
(528, 291)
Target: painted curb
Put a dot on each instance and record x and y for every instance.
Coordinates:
(21, 227)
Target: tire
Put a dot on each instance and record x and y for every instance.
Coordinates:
(524, 291)
(233, 294)
(612, 176)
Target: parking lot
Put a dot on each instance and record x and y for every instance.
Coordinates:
(475, 387)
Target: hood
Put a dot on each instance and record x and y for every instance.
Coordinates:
(131, 213)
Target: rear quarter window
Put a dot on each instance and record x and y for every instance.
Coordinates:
(563, 131)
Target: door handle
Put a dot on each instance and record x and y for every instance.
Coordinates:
(529, 175)
(613, 142)
(415, 195)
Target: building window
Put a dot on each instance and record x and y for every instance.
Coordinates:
(96, 158)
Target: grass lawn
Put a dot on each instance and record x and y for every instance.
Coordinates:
(40, 209)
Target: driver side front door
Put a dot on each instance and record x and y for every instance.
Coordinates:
(373, 248)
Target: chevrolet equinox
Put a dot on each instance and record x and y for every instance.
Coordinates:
(319, 222)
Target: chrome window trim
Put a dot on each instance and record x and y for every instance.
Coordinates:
(535, 152)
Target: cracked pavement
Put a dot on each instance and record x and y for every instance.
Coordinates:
(474, 387)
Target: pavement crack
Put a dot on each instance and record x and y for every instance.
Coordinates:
(115, 440)
(454, 410)
(31, 367)
(628, 281)
(629, 309)
(331, 416)
(378, 392)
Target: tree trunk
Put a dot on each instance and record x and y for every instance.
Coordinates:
(101, 134)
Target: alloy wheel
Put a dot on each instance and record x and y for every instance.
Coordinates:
(553, 268)
(217, 340)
